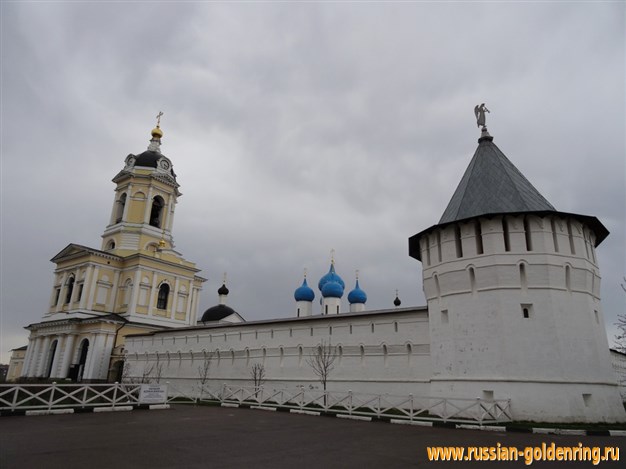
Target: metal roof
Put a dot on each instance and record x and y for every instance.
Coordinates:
(492, 184)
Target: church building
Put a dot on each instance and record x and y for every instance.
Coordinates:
(136, 282)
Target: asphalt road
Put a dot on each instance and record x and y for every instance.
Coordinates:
(215, 437)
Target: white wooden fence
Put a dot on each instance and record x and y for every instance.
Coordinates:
(412, 408)
(59, 396)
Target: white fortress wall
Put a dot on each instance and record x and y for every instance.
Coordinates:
(384, 352)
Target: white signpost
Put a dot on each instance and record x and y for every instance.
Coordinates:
(153, 394)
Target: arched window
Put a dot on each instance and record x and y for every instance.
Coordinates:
(472, 276)
(119, 212)
(156, 214)
(70, 289)
(385, 355)
(110, 245)
(128, 288)
(164, 291)
(51, 353)
(522, 276)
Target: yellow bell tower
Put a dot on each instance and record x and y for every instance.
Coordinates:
(135, 283)
(145, 199)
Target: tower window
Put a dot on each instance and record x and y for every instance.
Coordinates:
(70, 289)
(164, 291)
(570, 235)
(527, 311)
(458, 242)
(56, 296)
(505, 233)
(156, 214)
(80, 292)
(555, 240)
(472, 276)
(479, 237)
(522, 276)
(527, 235)
(438, 246)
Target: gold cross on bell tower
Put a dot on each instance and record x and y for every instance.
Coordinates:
(159, 118)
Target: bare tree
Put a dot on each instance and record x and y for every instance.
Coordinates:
(322, 360)
(257, 373)
(620, 338)
(158, 372)
(203, 371)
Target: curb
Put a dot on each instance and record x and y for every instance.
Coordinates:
(82, 410)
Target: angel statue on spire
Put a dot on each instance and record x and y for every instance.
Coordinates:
(479, 112)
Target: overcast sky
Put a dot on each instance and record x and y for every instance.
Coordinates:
(295, 129)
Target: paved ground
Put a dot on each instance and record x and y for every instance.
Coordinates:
(215, 437)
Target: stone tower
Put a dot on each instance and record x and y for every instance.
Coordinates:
(513, 292)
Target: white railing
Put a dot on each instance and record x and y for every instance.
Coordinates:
(411, 408)
(59, 396)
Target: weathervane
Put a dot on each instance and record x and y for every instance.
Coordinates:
(479, 112)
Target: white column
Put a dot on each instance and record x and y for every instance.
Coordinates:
(62, 294)
(30, 351)
(132, 307)
(114, 209)
(58, 353)
(92, 370)
(146, 215)
(170, 213)
(93, 287)
(189, 297)
(128, 201)
(43, 356)
(193, 299)
(31, 370)
(68, 352)
(175, 298)
(86, 290)
(152, 293)
(75, 287)
(113, 296)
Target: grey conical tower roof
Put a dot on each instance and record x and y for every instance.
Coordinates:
(492, 184)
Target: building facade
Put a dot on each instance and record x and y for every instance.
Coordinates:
(136, 282)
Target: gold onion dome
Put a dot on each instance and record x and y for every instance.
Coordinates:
(157, 132)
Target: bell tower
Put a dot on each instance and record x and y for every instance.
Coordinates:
(145, 199)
